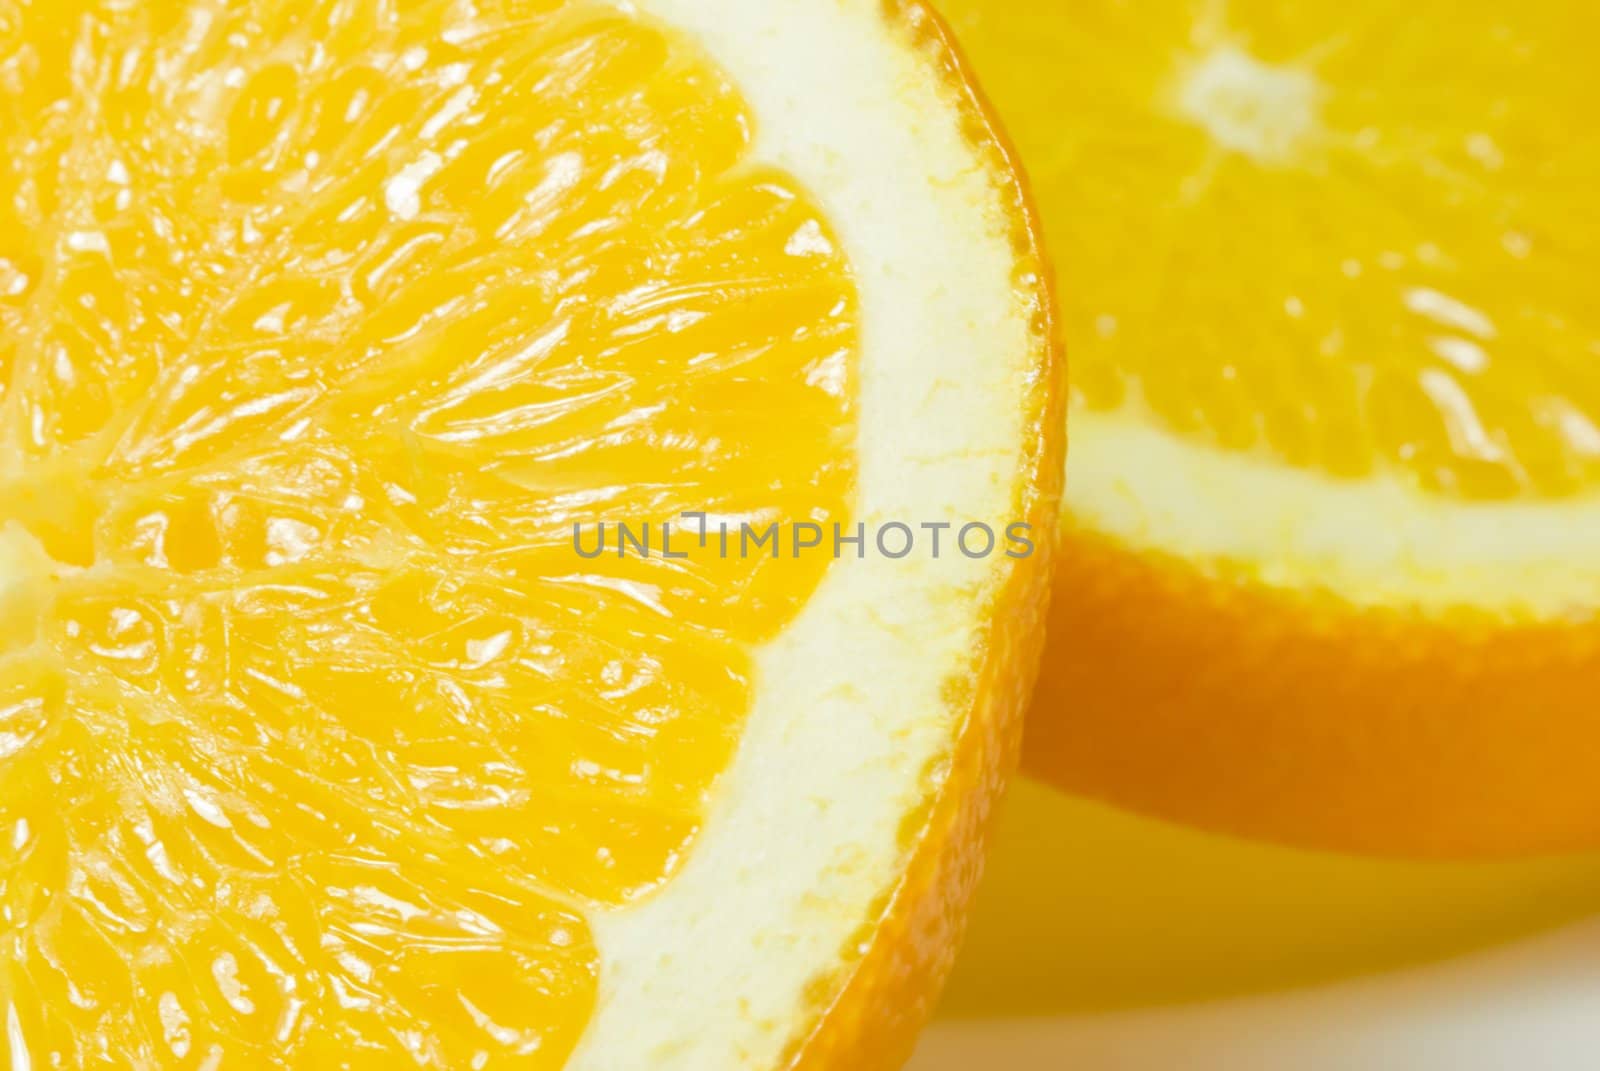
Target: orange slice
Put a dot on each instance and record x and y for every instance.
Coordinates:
(1334, 501)
(331, 334)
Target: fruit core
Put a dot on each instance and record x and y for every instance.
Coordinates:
(1266, 112)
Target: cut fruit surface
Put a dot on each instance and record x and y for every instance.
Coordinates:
(1335, 489)
(334, 334)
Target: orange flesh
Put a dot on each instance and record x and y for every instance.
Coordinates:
(321, 325)
(1354, 238)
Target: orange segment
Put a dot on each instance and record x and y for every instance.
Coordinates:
(318, 651)
(1333, 496)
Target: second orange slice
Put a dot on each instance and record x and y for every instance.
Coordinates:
(1331, 570)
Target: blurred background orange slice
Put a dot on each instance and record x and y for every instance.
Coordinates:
(1332, 563)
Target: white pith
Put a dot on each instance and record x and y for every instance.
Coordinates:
(803, 839)
(1372, 542)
